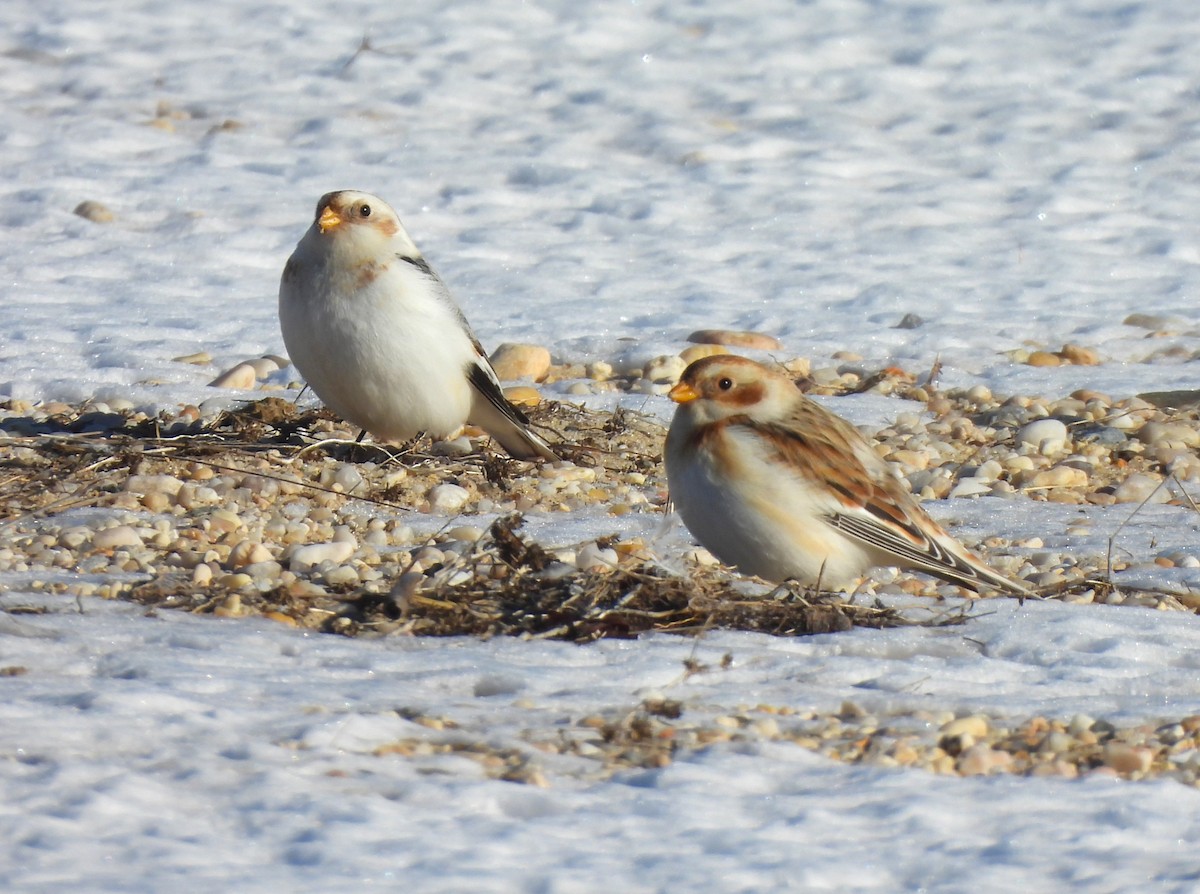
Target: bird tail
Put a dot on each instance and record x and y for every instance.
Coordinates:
(493, 412)
(937, 554)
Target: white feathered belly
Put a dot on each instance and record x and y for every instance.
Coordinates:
(393, 373)
(762, 520)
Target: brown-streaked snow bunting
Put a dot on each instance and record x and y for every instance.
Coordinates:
(376, 334)
(772, 483)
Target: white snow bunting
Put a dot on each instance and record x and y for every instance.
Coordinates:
(779, 487)
(378, 337)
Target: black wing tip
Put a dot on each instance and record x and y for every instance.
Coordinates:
(938, 561)
(530, 446)
(489, 387)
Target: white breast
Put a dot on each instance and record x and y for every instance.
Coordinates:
(387, 355)
(752, 513)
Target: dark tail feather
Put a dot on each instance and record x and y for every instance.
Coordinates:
(493, 412)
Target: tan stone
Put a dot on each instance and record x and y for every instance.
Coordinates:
(1044, 358)
(94, 211)
(241, 376)
(1125, 758)
(699, 352)
(735, 339)
(1079, 355)
(523, 395)
(974, 725)
(200, 358)
(519, 361)
(119, 537)
(667, 368)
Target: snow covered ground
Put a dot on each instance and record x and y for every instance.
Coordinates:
(601, 179)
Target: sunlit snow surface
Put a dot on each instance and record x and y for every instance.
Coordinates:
(1017, 174)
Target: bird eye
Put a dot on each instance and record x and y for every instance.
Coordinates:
(364, 211)
(725, 383)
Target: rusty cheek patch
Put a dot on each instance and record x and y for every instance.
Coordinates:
(387, 226)
(744, 395)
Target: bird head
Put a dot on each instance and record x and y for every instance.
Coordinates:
(357, 224)
(715, 388)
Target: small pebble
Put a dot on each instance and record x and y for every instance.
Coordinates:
(242, 377)
(460, 446)
(119, 537)
(1047, 436)
(1169, 434)
(1126, 759)
(1150, 321)
(600, 371)
(1044, 358)
(523, 395)
(1079, 355)
(974, 725)
(736, 339)
(248, 552)
(1140, 487)
(667, 368)
(447, 498)
(94, 211)
(520, 361)
(592, 557)
(693, 353)
(465, 533)
(200, 358)
(305, 557)
(263, 366)
(981, 759)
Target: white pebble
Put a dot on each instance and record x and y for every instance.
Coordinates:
(348, 477)
(465, 533)
(447, 497)
(305, 557)
(268, 571)
(971, 487)
(1140, 487)
(241, 376)
(1169, 434)
(989, 471)
(600, 371)
(645, 386)
(73, 538)
(342, 575)
(665, 368)
(460, 446)
(248, 552)
(263, 366)
(153, 484)
(1047, 436)
(120, 537)
(593, 557)
(428, 556)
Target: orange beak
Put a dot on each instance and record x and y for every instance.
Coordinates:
(683, 393)
(328, 219)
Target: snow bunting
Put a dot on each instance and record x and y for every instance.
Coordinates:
(774, 484)
(376, 335)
